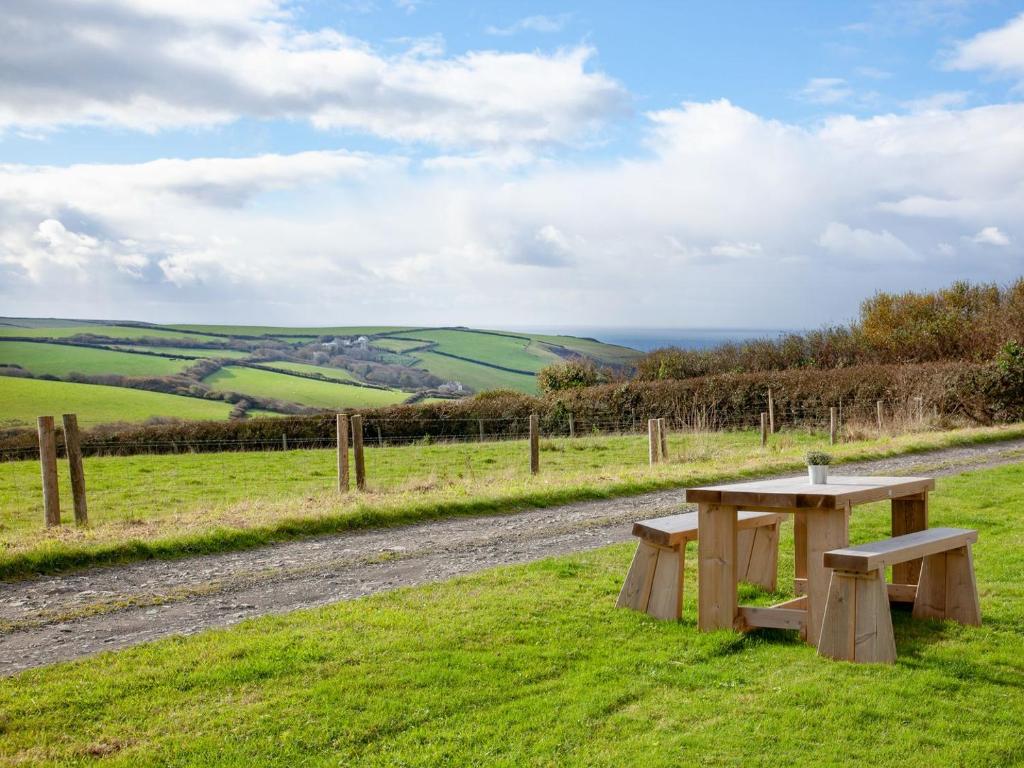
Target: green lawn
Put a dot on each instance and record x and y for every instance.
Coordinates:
(533, 666)
(142, 506)
(22, 400)
(60, 360)
(294, 389)
(316, 370)
(477, 377)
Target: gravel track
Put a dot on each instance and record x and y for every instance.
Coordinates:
(63, 617)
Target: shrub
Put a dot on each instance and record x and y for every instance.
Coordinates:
(570, 374)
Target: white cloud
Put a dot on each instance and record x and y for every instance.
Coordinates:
(540, 23)
(991, 236)
(999, 50)
(937, 101)
(149, 65)
(721, 207)
(826, 90)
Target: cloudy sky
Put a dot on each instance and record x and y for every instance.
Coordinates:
(507, 164)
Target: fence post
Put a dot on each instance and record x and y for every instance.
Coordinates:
(920, 409)
(663, 438)
(73, 448)
(357, 451)
(480, 424)
(653, 442)
(343, 482)
(771, 412)
(572, 427)
(48, 466)
(534, 444)
(832, 425)
(284, 442)
(878, 408)
(764, 429)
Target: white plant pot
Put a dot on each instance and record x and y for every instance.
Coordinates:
(818, 474)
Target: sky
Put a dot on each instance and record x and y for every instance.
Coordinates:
(426, 162)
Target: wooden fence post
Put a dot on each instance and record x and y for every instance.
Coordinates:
(480, 424)
(764, 429)
(663, 438)
(920, 409)
(284, 442)
(48, 466)
(653, 442)
(771, 413)
(343, 481)
(832, 425)
(534, 444)
(878, 409)
(73, 448)
(357, 451)
(572, 427)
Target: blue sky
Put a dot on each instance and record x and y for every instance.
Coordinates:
(649, 164)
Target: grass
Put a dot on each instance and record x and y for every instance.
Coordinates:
(294, 389)
(171, 505)
(519, 353)
(290, 331)
(113, 331)
(24, 399)
(316, 370)
(476, 377)
(532, 665)
(193, 352)
(60, 360)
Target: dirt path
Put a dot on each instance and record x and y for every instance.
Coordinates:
(63, 617)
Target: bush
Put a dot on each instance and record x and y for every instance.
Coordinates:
(570, 374)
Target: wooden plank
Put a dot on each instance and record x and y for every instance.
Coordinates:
(48, 469)
(534, 444)
(874, 642)
(800, 554)
(761, 566)
(73, 449)
(636, 589)
(673, 529)
(794, 493)
(666, 600)
(357, 451)
(343, 476)
(909, 514)
(653, 442)
(826, 530)
(868, 557)
(902, 593)
(838, 631)
(794, 602)
(716, 567)
(930, 602)
(961, 588)
(752, 617)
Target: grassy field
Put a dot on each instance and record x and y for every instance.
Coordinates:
(532, 665)
(476, 377)
(519, 353)
(294, 389)
(143, 506)
(60, 360)
(113, 331)
(22, 400)
(316, 370)
(297, 332)
(193, 352)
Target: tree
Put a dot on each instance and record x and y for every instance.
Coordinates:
(569, 374)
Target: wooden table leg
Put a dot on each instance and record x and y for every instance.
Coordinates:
(909, 514)
(716, 567)
(826, 529)
(799, 553)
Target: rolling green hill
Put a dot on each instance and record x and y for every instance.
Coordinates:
(397, 361)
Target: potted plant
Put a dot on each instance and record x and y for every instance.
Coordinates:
(817, 467)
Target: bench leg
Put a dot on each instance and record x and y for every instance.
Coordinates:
(654, 583)
(947, 589)
(758, 552)
(857, 625)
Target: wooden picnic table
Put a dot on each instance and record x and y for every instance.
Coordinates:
(821, 523)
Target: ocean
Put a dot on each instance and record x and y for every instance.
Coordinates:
(646, 339)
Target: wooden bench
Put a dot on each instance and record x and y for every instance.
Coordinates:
(654, 583)
(857, 625)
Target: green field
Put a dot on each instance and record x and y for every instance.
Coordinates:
(22, 400)
(476, 377)
(171, 504)
(397, 345)
(193, 352)
(295, 389)
(316, 370)
(113, 331)
(282, 330)
(533, 666)
(520, 353)
(60, 360)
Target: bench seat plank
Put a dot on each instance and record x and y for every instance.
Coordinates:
(674, 529)
(865, 558)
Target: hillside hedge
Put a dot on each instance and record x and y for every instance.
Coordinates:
(974, 391)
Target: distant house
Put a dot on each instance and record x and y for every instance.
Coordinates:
(451, 387)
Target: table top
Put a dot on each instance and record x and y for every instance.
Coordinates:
(798, 493)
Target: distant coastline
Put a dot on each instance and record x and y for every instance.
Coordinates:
(646, 339)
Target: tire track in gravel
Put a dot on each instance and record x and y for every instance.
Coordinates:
(63, 617)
